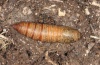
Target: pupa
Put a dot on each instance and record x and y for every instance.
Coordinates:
(47, 32)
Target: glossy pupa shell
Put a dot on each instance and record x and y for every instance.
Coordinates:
(47, 32)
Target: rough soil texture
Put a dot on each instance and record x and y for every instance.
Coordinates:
(16, 49)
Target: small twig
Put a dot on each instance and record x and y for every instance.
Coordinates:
(95, 37)
(3, 40)
(91, 36)
(4, 31)
(56, 0)
(90, 46)
(92, 28)
(48, 59)
(2, 36)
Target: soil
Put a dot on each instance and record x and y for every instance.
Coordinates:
(17, 49)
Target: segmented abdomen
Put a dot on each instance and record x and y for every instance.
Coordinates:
(47, 33)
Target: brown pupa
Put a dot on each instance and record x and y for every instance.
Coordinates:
(47, 33)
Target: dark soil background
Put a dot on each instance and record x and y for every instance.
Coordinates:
(16, 49)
